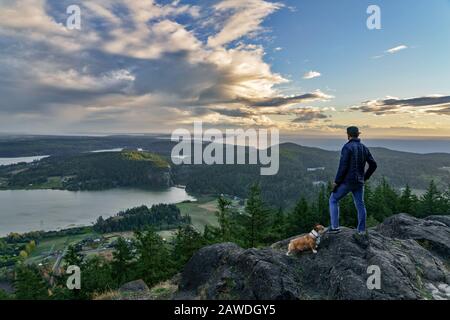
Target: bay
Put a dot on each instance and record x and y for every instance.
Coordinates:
(31, 210)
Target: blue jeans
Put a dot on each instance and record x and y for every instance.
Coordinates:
(358, 198)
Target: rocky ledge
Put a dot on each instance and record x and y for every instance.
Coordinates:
(412, 254)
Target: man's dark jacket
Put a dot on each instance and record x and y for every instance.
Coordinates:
(354, 157)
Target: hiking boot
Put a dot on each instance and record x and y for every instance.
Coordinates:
(334, 231)
(362, 238)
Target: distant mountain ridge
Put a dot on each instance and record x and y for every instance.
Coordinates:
(90, 171)
(303, 170)
(294, 178)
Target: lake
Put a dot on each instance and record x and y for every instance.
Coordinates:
(30, 210)
(9, 161)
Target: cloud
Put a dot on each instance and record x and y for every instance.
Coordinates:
(393, 50)
(309, 116)
(442, 111)
(396, 49)
(138, 64)
(437, 104)
(72, 79)
(243, 18)
(311, 75)
(291, 100)
(297, 115)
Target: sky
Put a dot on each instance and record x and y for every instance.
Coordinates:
(306, 67)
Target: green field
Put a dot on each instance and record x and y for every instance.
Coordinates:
(48, 246)
(202, 213)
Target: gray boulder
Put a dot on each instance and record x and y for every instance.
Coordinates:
(443, 219)
(412, 255)
(135, 290)
(432, 233)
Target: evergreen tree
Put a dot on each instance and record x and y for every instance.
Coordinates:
(390, 196)
(380, 209)
(278, 226)
(224, 219)
(371, 221)
(29, 284)
(446, 201)
(72, 257)
(210, 234)
(187, 241)
(301, 219)
(323, 208)
(4, 295)
(154, 262)
(256, 220)
(408, 201)
(431, 201)
(96, 278)
(121, 262)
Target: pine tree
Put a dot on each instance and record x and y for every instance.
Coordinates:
(323, 211)
(4, 295)
(371, 221)
(379, 208)
(431, 201)
(96, 278)
(154, 263)
(408, 201)
(121, 262)
(72, 257)
(277, 226)
(446, 200)
(29, 284)
(224, 219)
(187, 241)
(390, 196)
(301, 219)
(255, 221)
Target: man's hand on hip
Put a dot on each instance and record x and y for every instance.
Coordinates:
(335, 186)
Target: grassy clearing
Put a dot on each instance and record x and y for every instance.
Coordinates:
(156, 159)
(48, 246)
(202, 212)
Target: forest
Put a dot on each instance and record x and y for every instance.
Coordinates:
(160, 217)
(397, 168)
(87, 171)
(149, 257)
(90, 171)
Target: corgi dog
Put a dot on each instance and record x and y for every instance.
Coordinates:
(307, 242)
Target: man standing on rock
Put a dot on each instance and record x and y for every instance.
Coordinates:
(351, 177)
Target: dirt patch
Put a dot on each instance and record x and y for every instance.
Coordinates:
(210, 206)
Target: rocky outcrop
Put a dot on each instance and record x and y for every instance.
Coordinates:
(444, 219)
(135, 290)
(412, 254)
(138, 290)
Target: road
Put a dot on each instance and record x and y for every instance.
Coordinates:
(56, 266)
